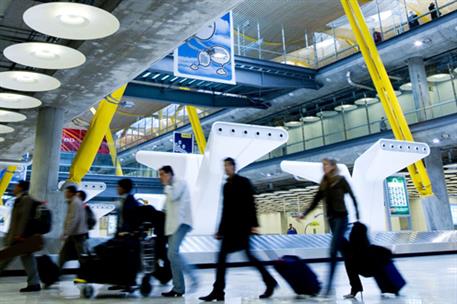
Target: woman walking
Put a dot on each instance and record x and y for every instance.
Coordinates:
(332, 190)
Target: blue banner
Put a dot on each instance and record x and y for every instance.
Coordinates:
(209, 54)
(183, 142)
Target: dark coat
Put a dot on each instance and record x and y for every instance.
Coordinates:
(365, 258)
(239, 214)
(128, 220)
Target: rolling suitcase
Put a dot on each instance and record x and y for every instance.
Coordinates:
(49, 272)
(26, 246)
(389, 279)
(298, 275)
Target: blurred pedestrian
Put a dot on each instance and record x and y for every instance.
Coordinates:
(434, 13)
(178, 223)
(382, 125)
(291, 230)
(127, 220)
(332, 190)
(238, 223)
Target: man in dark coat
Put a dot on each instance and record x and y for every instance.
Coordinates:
(238, 222)
(128, 210)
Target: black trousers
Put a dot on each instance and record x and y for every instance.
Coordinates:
(221, 268)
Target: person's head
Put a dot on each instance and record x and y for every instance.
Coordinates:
(166, 174)
(290, 226)
(432, 5)
(330, 166)
(82, 195)
(229, 166)
(21, 186)
(124, 186)
(70, 191)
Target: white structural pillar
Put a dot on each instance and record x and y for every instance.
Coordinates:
(204, 173)
(437, 210)
(382, 159)
(45, 165)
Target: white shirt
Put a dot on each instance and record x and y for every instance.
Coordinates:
(177, 206)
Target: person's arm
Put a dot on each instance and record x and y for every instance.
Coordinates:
(317, 198)
(348, 189)
(176, 190)
(252, 209)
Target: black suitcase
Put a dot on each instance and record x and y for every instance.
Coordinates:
(389, 279)
(298, 274)
(49, 272)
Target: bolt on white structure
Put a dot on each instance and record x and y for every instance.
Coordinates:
(204, 173)
(382, 159)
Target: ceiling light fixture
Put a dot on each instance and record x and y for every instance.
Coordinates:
(345, 107)
(309, 119)
(366, 101)
(28, 81)
(9, 116)
(44, 55)
(418, 43)
(73, 21)
(406, 87)
(293, 124)
(6, 129)
(17, 101)
(440, 77)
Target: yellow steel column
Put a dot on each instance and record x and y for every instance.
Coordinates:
(385, 90)
(6, 179)
(113, 152)
(94, 136)
(197, 128)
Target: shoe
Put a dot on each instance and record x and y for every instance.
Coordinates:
(214, 296)
(352, 295)
(31, 288)
(270, 290)
(171, 294)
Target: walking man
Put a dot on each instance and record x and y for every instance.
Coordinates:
(238, 222)
(178, 222)
(18, 231)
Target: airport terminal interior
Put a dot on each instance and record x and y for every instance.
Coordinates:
(93, 92)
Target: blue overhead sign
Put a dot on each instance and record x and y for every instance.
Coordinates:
(183, 142)
(209, 54)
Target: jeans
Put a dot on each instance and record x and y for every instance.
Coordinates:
(72, 249)
(177, 262)
(30, 267)
(221, 269)
(338, 226)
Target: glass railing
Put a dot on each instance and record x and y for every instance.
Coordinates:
(314, 51)
(369, 127)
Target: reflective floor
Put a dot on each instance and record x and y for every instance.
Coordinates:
(430, 280)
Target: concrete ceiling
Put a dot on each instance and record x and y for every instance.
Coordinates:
(149, 31)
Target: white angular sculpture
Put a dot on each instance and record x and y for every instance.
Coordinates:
(204, 173)
(382, 159)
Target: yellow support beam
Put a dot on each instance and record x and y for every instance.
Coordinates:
(97, 130)
(6, 179)
(197, 128)
(385, 90)
(113, 152)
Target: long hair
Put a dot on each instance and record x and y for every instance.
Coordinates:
(330, 178)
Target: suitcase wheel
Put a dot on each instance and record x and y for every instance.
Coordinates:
(145, 289)
(87, 291)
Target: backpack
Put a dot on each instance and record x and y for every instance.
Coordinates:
(90, 217)
(40, 219)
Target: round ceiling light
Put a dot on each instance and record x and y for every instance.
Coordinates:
(6, 129)
(406, 87)
(73, 21)
(439, 77)
(17, 101)
(345, 107)
(327, 114)
(2, 139)
(9, 116)
(309, 119)
(44, 55)
(293, 124)
(366, 101)
(28, 81)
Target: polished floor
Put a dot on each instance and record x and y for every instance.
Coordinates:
(430, 279)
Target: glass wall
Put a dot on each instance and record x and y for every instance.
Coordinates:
(365, 116)
(292, 44)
